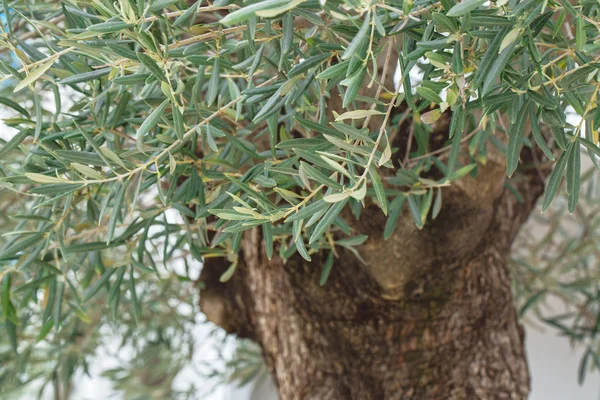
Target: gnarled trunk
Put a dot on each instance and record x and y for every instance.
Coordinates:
(430, 316)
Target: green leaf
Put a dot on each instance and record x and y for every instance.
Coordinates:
(15, 141)
(268, 236)
(86, 76)
(515, 140)
(537, 134)
(152, 66)
(34, 75)
(327, 220)
(554, 181)
(213, 84)
(152, 119)
(226, 276)
(429, 94)
(116, 211)
(497, 68)
(357, 42)
(573, 174)
(308, 64)
(109, 27)
(464, 7)
(244, 13)
(326, 269)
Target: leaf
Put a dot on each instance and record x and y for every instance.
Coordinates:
(554, 181)
(464, 7)
(437, 204)
(356, 43)
(358, 114)
(15, 141)
(431, 116)
(515, 141)
(326, 269)
(244, 13)
(152, 119)
(429, 94)
(152, 66)
(116, 211)
(327, 220)
(34, 75)
(226, 276)
(86, 76)
(497, 68)
(537, 134)
(109, 27)
(40, 178)
(307, 64)
(87, 171)
(213, 84)
(379, 190)
(573, 175)
(268, 236)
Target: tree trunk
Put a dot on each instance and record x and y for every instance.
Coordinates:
(430, 316)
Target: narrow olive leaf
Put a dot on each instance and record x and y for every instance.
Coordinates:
(34, 75)
(95, 288)
(301, 248)
(415, 210)
(491, 54)
(358, 114)
(464, 7)
(228, 274)
(429, 94)
(497, 68)
(122, 51)
(379, 190)
(14, 141)
(88, 172)
(327, 220)
(537, 134)
(580, 33)
(152, 66)
(437, 204)
(15, 106)
(573, 174)
(268, 236)
(109, 27)
(213, 84)
(334, 71)
(592, 148)
(116, 211)
(515, 141)
(152, 119)
(356, 43)
(86, 76)
(307, 64)
(542, 100)
(456, 129)
(178, 122)
(40, 178)
(554, 181)
(326, 269)
(431, 116)
(247, 12)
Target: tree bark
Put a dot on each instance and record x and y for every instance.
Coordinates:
(430, 316)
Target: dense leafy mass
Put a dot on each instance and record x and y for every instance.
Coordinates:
(221, 113)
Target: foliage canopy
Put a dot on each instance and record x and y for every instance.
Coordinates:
(125, 111)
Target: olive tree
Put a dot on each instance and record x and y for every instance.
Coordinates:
(351, 174)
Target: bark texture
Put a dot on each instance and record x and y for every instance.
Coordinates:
(430, 317)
